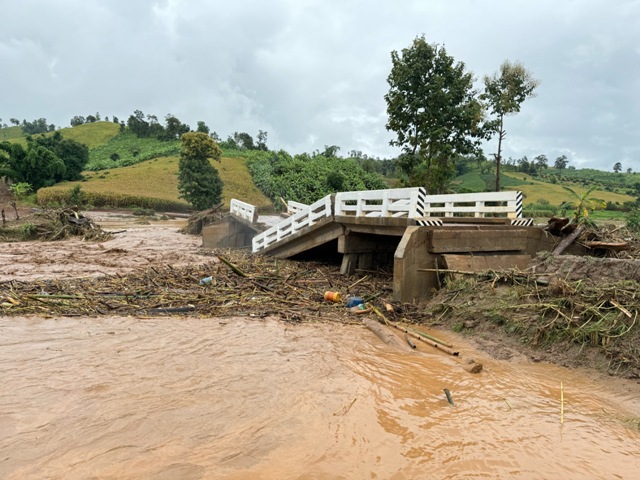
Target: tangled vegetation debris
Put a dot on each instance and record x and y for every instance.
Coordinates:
(551, 312)
(288, 289)
(54, 224)
(199, 220)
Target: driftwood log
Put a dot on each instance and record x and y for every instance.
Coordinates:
(568, 240)
(386, 335)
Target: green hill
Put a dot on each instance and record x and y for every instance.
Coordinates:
(536, 189)
(11, 133)
(156, 181)
(130, 167)
(93, 135)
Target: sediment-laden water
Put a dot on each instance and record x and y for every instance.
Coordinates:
(167, 398)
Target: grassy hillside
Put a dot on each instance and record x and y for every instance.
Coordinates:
(535, 190)
(92, 134)
(147, 167)
(10, 133)
(158, 178)
(130, 150)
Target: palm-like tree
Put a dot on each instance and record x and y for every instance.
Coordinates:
(582, 204)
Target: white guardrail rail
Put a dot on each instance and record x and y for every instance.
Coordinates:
(244, 210)
(398, 202)
(507, 204)
(295, 207)
(412, 203)
(307, 217)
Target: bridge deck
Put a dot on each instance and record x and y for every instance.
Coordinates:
(386, 222)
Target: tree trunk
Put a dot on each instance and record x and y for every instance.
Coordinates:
(499, 156)
(568, 240)
(15, 209)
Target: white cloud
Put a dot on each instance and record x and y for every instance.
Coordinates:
(313, 73)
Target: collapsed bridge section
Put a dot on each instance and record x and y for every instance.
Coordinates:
(419, 233)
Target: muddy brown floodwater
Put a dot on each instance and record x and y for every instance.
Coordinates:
(190, 398)
(247, 398)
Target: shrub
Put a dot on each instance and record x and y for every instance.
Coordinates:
(633, 220)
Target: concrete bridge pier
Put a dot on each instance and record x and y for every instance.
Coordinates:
(364, 251)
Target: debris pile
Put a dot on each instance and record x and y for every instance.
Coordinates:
(233, 283)
(199, 220)
(586, 302)
(50, 225)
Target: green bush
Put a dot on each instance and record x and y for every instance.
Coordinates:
(306, 178)
(633, 220)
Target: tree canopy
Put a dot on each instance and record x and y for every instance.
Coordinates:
(198, 181)
(45, 161)
(434, 112)
(504, 92)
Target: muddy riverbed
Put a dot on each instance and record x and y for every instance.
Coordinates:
(239, 397)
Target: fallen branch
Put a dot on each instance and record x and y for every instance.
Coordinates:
(568, 240)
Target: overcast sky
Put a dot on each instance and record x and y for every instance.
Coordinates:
(314, 72)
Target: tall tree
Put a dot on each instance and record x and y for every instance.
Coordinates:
(137, 124)
(504, 92)
(434, 112)
(617, 167)
(174, 128)
(198, 181)
(202, 127)
(561, 162)
(262, 141)
(542, 161)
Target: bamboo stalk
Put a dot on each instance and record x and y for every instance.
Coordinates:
(345, 408)
(428, 341)
(357, 282)
(235, 269)
(409, 341)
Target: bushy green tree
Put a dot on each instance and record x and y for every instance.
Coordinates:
(434, 111)
(561, 162)
(137, 124)
(198, 181)
(77, 120)
(174, 128)
(202, 127)
(75, 155)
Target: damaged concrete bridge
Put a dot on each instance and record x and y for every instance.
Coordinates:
(419, 233)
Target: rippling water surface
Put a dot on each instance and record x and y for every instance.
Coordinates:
(245, 398)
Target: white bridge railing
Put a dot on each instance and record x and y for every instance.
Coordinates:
(410, 203)
(295, 207)
(308, 217)
(244, 210)
(398, 202)
(496, 204)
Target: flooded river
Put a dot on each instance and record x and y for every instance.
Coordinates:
(170, 398)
